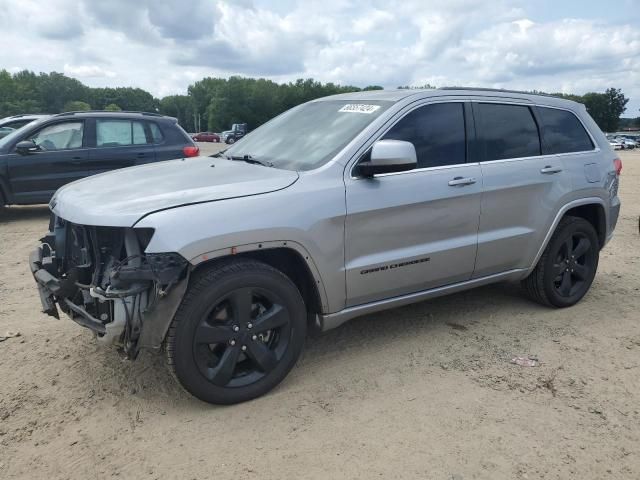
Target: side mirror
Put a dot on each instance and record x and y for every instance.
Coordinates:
(26, 146)
(388, 156)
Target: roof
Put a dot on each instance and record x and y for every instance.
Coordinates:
(401, 94)
(102, 113)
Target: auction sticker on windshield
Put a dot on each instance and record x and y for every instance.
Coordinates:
(359, 108)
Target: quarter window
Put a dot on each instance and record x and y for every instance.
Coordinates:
(563, 132)
(156, 134)
(117, 133)
(61, 136)
(436, 131)
(507, 131)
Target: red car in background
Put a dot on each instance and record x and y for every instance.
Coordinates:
(206, 137)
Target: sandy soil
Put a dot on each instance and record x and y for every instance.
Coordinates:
(426, 391)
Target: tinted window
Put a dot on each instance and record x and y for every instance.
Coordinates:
(156, 134)
(115, 133)
(60, 136)
(563, 132)
(17, 123)
(507, 131)
(437, 132)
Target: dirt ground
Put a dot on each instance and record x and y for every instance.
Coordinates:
(426, 391)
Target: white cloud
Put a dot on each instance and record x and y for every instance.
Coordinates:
(87, 71)
(165, 46)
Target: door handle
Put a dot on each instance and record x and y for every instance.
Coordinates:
(548, 170)
(141, 154)
(77, 160)
(461, 181)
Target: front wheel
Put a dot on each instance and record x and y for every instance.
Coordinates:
(568, 265)
(238, 332)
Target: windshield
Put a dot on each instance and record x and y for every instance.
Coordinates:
(308, 136)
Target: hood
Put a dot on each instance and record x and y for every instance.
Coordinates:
(120, 198)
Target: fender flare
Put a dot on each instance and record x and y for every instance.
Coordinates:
(258, 246)
(564, 209)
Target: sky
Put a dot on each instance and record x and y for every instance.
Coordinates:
(165, 45)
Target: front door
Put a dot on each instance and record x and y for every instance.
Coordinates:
(416, 230)
(61, 158)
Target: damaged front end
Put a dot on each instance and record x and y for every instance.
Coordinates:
(103, 280)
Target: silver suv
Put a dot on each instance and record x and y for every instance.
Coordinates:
(369, 201)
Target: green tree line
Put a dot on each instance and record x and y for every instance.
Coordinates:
(215, 103)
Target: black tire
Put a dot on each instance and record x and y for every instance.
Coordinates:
(230, 141)
(213, 306)
(567, 266)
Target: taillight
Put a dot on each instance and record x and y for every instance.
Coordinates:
(617, 164)
(191, 151)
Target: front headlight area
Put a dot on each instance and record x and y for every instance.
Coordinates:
(104, 279)
(134, 283)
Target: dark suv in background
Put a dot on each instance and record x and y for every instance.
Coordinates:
(41, 157)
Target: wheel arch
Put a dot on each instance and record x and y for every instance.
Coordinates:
(593, 213)
(590, 208)
(289, 257)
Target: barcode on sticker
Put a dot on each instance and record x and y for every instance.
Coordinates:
(359, 108)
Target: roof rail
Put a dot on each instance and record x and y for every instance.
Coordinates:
(500, 90)
(149, 114)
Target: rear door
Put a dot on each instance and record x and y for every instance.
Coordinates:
(416, 230)
(169, 139)
(62, 157)
(523, 186)
(120, 143)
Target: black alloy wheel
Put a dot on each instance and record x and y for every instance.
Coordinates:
(573, 264)
(242, 337)
(568, 265)
(238, 332)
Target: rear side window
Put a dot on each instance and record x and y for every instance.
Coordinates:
(507, 131)
(437, 133)
(117, 133)
(156, 133)
(563, 132)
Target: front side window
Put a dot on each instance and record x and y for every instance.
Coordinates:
(118, 133)
(61, 136)
(563, 132)
(437, 132)
(507, 131)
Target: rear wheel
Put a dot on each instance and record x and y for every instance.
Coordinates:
(238, 332)
(568, 265)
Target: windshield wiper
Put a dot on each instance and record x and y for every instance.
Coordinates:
(250, 159)
(220, 154)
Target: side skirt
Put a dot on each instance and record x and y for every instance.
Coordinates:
(333, 320)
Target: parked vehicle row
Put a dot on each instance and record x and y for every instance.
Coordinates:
(49, 152)
(620, 142)
(337, 208)
(4, 131)
(19, 121)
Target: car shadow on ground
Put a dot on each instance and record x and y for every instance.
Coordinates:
(23, 213)
(427, 320)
